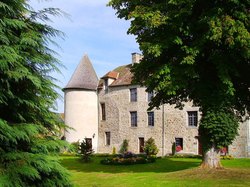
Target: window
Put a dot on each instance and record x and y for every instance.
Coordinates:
(178, 144)
(103, 111)
(106, 85)
(150, 95)
(107, 138)
(133, 95)
(151, 119)
(141, 145)
(133, 118)
(192, 118)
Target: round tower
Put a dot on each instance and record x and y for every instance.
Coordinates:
(80, 104)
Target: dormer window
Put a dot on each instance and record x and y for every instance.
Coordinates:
(109, 78)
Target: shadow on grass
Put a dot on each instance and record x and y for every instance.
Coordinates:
(160, 166)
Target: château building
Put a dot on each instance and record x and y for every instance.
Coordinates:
(111, 109)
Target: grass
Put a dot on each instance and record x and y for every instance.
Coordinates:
(164, 172)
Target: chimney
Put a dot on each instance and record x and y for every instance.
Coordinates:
(136, 58)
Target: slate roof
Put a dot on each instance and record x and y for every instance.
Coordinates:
(124, 76)
(84, 76)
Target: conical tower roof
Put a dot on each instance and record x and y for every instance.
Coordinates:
(84, 76)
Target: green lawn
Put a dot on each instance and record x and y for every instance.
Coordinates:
(164, 172)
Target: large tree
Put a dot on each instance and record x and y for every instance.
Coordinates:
(28, 129)
(195, 50)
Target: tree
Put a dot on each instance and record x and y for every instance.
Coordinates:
(124, 146)
(150, 147)
(195, 50)
(28, 129)
(86, 150)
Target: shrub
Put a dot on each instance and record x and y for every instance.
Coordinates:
(86, 150)
(227, 157)
(184, 156)
(124, 147)
(173, 148)
(150, 147)
(114, 151)
(74, 147)
(128, 159)
(128, 155)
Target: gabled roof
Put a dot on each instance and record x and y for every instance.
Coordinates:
(124, 76)
(111, 74)
(84, 76)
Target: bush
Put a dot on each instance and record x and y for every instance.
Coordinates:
(74, 147)
(150, 147)
(124, 147)
(227, 157)
(86, 150)
(114, 151)
(173, 148)
(128, 158)
(184, 156)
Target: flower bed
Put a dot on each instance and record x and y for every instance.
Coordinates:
(128, 158)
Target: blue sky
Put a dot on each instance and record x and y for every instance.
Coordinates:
(93, 29)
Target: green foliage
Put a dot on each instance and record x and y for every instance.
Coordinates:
(124, 146)
(29, 130)
(164, 172)
(218, 128)
(74, 147)
(184, 156)
(194, 51)
(227, 157)
(173, 148)
(150, 147)
(86, 150)
(128, 159)
(114, 151)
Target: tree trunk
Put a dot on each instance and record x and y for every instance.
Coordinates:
(211, 159)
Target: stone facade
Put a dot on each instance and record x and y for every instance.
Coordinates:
(169, 123)
(241, 145)
(103, 112)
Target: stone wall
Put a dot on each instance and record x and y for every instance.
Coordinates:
(118, 108)
(241, 144)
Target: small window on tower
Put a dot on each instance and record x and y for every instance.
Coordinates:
(103, 111)
(107, 138)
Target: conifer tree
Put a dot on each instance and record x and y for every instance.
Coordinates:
(150, 147)
(28, 129)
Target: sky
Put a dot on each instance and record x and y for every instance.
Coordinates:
(92, 28)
